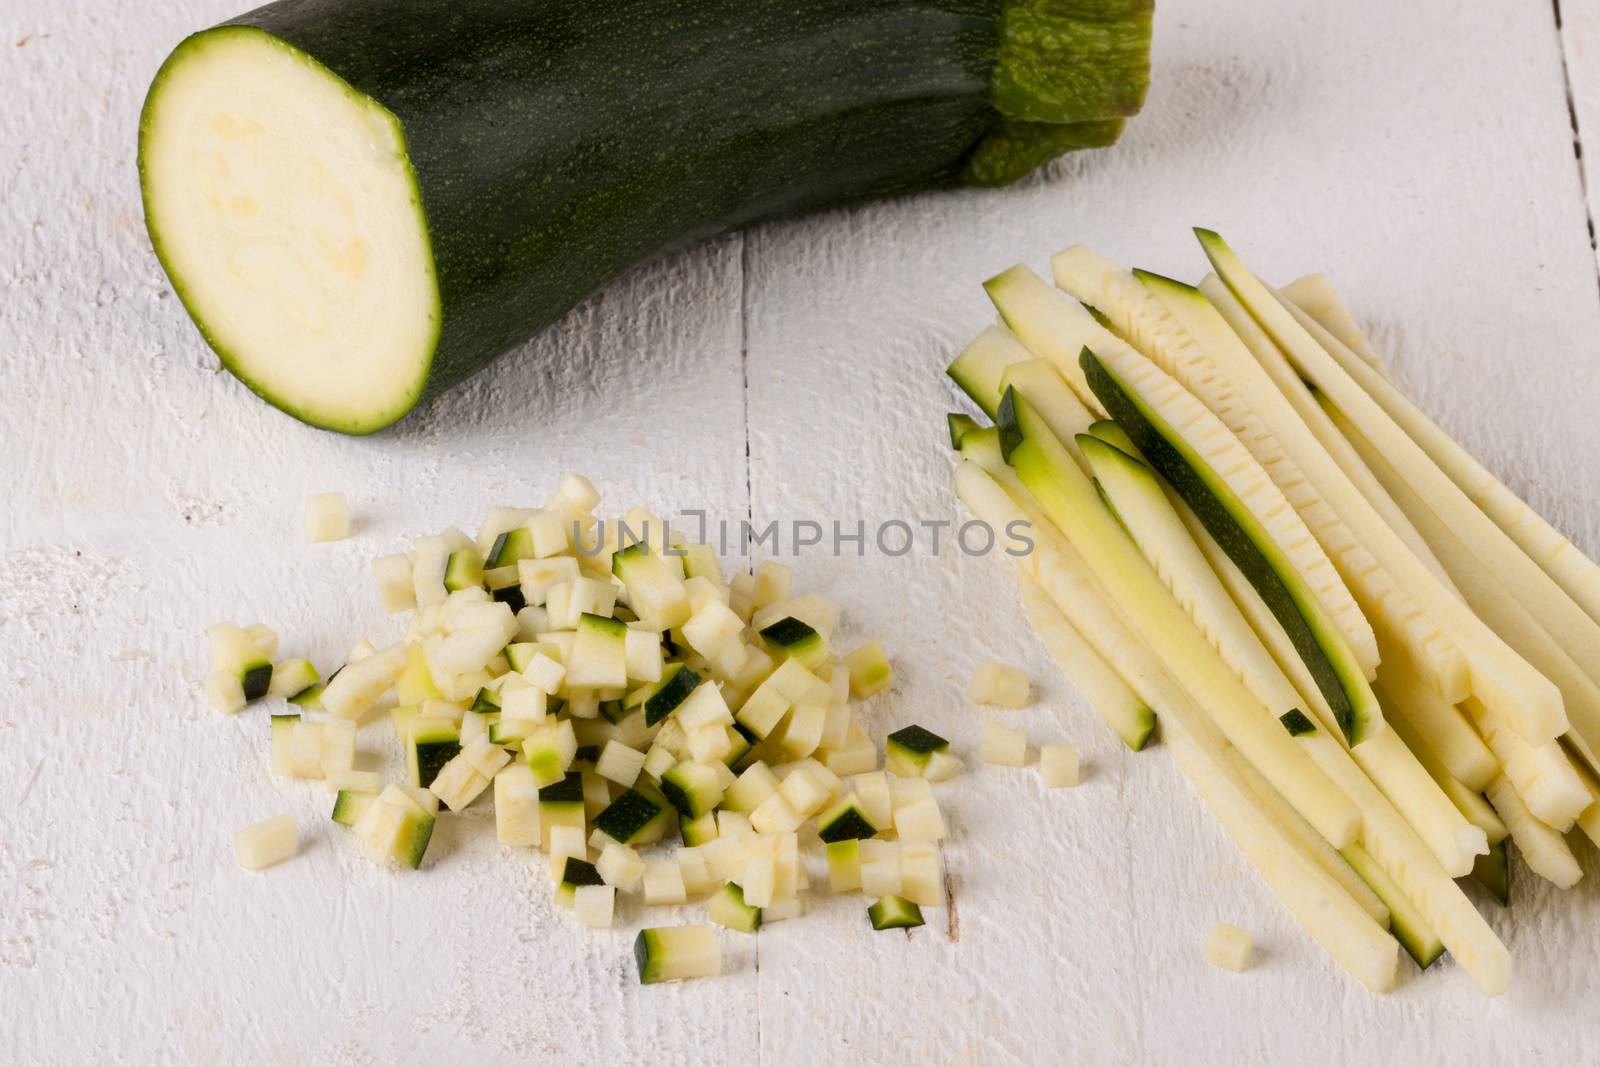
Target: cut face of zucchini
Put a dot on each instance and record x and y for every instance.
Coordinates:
(463, 569)
(574, 874)
(282, 204)
(844, 821)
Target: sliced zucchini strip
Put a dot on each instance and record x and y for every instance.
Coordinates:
(1160, 532)
(1315, 295)
(1543, 848)
(1068, 498)
(1489, 598)
(1113, 699)
(1141, 317)
(1575, 573)
(1211, 471)
(1501, 678)
(1391, 840)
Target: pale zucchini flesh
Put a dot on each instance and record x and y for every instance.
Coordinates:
(1067, 497)
(283, 205)
(1276, 393)
(1315, 295)
(1485, 593)
(1149, 406)
(1500, 677)
(1388, 837)
(1129, 717)
(1162, 536)
(1128, 301)
(1572, 570)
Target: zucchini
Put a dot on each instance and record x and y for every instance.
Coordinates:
(789, 638)
(1069, 499)
(727, 908)
(1406, 923)
(1499, 676)
(670, 953)
(1543, 849)
(430, 744)
(631, 817)
(362, 203)
(1146, 408)
(894, 913)
(959, 424)
(1141, 316)
(1113, 699)
(907, 750)
(694, 789)
(1358, 521)
(1493, 873)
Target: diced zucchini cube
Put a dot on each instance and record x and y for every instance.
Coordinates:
(789, 638)
(894, 913)
(599, 654)
(327, 517)
(225, 692)
(876, 803)
(643, 654)
(858, 755)
(755, 785)
(620, 763)
(1058, 765)
(758, 880)
(620, 866)
(576, 873)
(696, 876)
(594, 905)
(920, 880)
(631, 817)
(908, 750)
(692, 788)
(773, 583)
(291, 677)
(845, 820)
(921, 821)
(805, 791)
(549, 751)
(266, 843)
(844, 865)
(392, 575)
(775, 816)
(729, 907)
(1228, 947)
(663, 882)
(869, 670)
(516, 806)
(880, 867)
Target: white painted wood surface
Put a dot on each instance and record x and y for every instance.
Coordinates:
(1422, 153)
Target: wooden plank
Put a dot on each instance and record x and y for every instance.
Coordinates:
(1345, 138)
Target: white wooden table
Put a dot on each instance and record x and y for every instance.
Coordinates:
(1423, 153)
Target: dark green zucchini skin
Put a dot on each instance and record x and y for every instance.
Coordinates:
(557, 142)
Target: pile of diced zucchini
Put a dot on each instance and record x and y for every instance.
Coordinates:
(654, 727)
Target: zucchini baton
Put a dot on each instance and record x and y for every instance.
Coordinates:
(363, 202)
